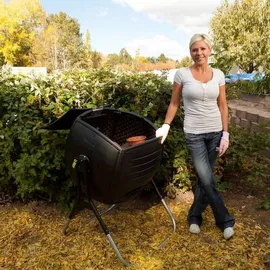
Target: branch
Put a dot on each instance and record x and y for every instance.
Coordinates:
(5, 201)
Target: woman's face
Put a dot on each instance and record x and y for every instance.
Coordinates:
(200, 52)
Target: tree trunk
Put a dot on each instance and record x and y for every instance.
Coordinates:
(250, 68)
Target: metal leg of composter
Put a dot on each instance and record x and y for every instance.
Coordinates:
(105, 211)
(77, 161)
(107, 233)
(82, 165)
(168, 212)
(70, 215)
(73, 210)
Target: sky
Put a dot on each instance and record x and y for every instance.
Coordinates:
(148, 27)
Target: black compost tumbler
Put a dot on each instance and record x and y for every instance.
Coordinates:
(103, 166)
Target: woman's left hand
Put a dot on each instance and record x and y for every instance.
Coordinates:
(223, 146)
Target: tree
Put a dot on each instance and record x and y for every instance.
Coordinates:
(59, 43)
(185, 62)
(69, 38)
(162, 58)
(20, 21)
(2, 59)
(96, 59)
(152, 59)
(112, 60)
(141, 59)
(241, 32)
(124, 57)
(45, 48)
(87, 42)
(85, 57)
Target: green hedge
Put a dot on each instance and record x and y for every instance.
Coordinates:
(33, 159)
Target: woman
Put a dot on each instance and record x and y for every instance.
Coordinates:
(205, 128)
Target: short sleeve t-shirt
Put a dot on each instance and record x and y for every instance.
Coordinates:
(202, 114)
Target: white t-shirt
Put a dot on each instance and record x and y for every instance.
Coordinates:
(202, 114)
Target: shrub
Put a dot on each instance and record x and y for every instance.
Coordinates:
(257, 87)
(33, 158)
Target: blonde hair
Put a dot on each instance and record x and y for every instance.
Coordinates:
(198, 37)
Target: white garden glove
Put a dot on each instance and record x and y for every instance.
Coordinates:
(163, 132)
(224, 143)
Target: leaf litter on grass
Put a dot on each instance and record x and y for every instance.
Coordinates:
(31, 238)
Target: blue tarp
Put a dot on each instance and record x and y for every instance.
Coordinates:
(243, 76)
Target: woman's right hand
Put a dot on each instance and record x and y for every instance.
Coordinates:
(163, 132)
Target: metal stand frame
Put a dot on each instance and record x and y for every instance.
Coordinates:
(81, 165)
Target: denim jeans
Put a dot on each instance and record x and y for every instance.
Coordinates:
(204, 155)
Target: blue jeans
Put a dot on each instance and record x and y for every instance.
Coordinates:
(204, 155)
